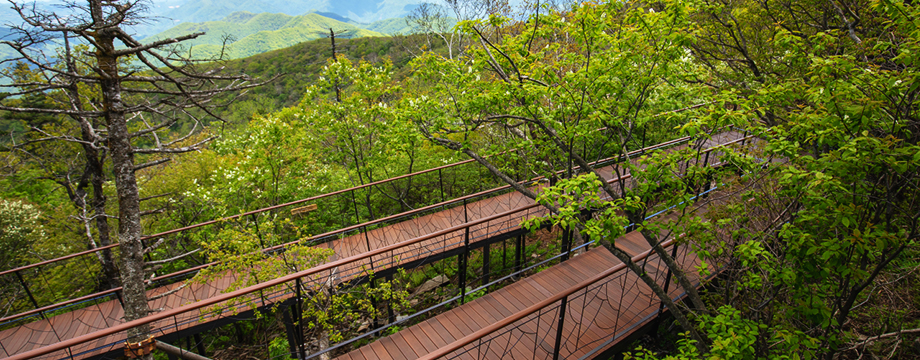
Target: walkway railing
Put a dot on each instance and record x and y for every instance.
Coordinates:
(83, 262)
(296, 285)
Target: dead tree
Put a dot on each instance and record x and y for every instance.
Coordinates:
(108, 80)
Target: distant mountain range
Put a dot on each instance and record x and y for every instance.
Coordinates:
(168, 13)
(256, 26)
(365, 11)
(252, 33)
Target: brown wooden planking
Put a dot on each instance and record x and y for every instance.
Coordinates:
(496, 312)
(367, 353)
(489, 308)
(453, 325)
(442, 331)
(429, 332)
(577, 302)
(421, 338)
(478, 317)
(379, 351)
(393, 349)
(402, 345)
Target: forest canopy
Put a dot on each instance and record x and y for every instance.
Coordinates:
(809, 231)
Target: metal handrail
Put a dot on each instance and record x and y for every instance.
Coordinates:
(329, 266)
(312, 238)
(312, 198)
(466, 340)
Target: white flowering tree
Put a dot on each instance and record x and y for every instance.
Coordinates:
(20, 226)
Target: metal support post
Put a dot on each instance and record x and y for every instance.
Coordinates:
(298, 316)
(289, 328)
(441, 185)
(390, 313)
(486, 263)
(504, 253)
(566, 241)
(355, 203)
(463, 262)
(519, 253)
(562, 309)
(200, 345)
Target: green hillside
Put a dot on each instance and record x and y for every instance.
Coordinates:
(389, 26)
(299, 66)
(259, 33)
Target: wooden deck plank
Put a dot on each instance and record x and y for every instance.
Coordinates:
(442, 331)
(366, 353)
(380, 351)
(497, 312)
(402, 345)
(433, 336)
(396, 350)
(475, 311)
(421, 337)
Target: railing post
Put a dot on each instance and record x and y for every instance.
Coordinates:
(390, 313)
(199, 344)
(504, 254)
(562, 309)
(29, 293)
(289, 328)
(463, 261)
(566, 242)
(486, 262)
(298, 325)
(376, 320)
(355, 203)
(120, 300)
(441, 184)
(519, 253)
(367, 240)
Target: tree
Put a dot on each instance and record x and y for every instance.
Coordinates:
(77, 167)
(19, 227)
(546, 91)
(143, 90)
(831, 87)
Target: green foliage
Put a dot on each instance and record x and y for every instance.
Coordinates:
(20, 227)
(252, 34)
(239, 252)
(734, 337)
(336, 311)
(279, 348)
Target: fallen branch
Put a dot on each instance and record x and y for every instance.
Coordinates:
(181, 353)
(170, 292)
(883, 336)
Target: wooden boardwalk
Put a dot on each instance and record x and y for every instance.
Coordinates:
(109, 313)
(595, 318)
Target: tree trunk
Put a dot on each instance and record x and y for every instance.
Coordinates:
(95, 160)
(109, 269)
(129, 219)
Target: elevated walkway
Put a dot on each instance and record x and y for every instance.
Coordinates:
(594, 318)
(99, 329)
